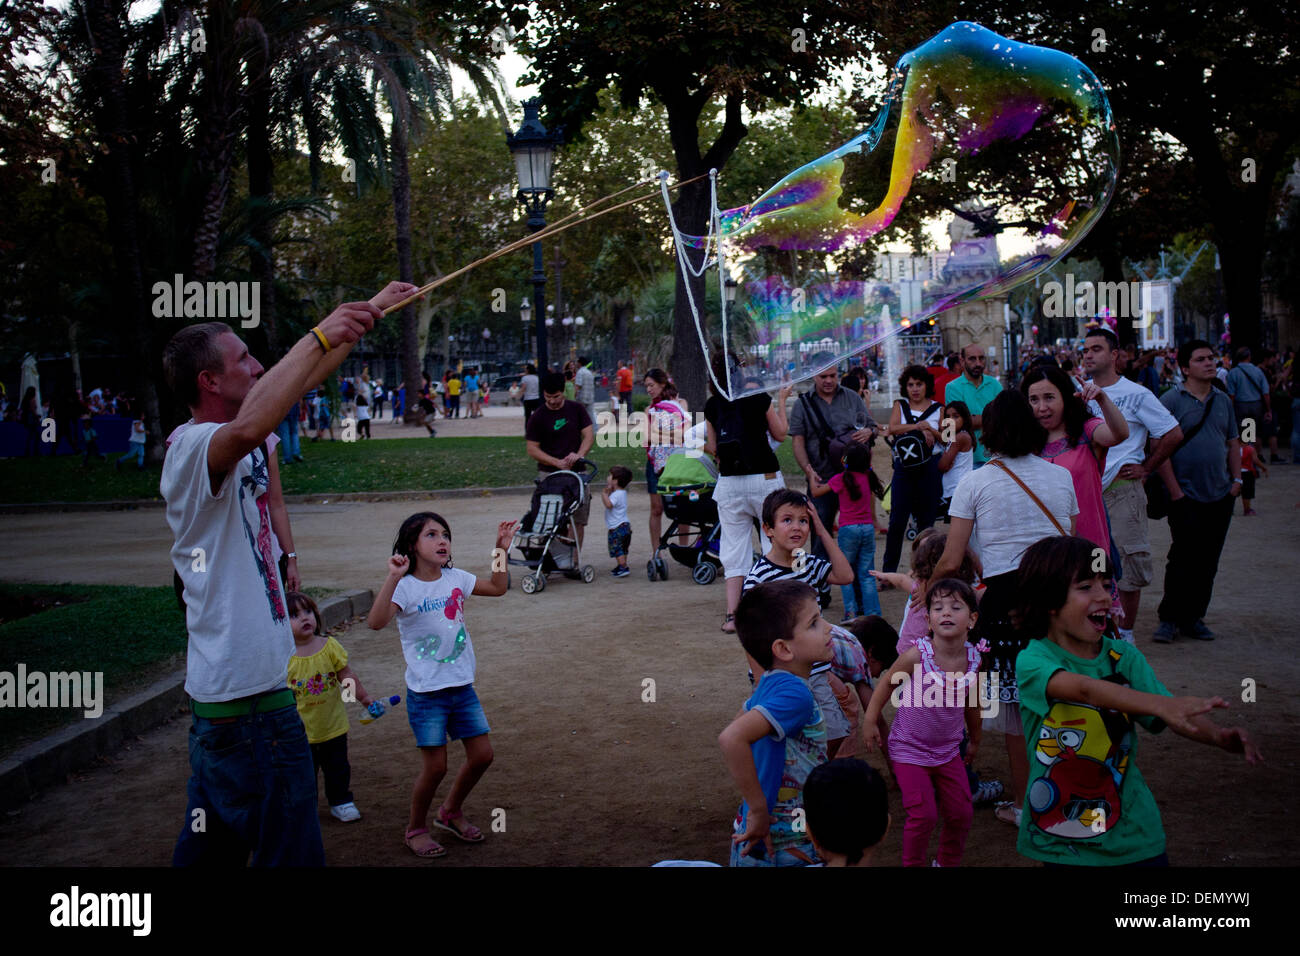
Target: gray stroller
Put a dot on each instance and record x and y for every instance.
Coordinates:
(546, 537)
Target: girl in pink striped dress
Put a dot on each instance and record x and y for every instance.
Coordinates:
(934, 706)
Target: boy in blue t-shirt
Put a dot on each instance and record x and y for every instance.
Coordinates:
(779, 736)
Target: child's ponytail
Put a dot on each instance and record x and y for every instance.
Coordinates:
(857, 461)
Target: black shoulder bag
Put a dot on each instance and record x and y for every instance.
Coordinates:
(833, 447)
(911, 449)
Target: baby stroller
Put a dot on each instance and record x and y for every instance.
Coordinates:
(686, 485)
(546, 538)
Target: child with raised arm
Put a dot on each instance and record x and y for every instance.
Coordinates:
(618, 528)
(427, 595)
(779, 735)
(938, 703)
(854, 487)
(1081, 694)
(790, 523)
(927, 549)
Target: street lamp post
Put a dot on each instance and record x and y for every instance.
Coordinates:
(534, 150)
(526, 313)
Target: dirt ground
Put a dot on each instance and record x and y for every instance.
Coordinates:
(587, 771)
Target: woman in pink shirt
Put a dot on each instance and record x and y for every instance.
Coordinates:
(1077, 441)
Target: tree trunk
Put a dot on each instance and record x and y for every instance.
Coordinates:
(114, 130)
(1241, 253)
(622, 312)
(691, 211)
(411, 353)
(689, 370)
(261, 173)
(1112, 270)
(217, 129)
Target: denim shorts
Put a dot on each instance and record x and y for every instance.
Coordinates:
(451, 712)
(651, 479)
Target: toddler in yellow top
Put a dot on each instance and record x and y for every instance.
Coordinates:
(318, 671)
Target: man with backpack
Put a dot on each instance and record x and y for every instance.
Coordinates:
(823, 422)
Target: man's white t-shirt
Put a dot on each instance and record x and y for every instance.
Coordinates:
(616, 513)
(240, 637)
(1144, 414)
(431, 622)
(1007, 521)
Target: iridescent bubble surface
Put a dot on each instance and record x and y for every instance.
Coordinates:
(1008, 146)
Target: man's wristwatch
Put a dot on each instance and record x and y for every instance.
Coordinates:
(291, 554)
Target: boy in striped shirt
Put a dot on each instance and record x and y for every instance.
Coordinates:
(790, 523)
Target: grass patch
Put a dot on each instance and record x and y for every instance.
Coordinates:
(392, 464)
(134, 635)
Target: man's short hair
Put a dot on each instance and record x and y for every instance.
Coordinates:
(583, 360)
(192, 350)
(966, 346)
(1241, 355)
(1112, 340)
(553, 382)
(824, 362)
(1187, 348)
(769, 612)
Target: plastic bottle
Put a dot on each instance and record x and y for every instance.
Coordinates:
(376, 709)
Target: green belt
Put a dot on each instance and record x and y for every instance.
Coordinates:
(243, 706)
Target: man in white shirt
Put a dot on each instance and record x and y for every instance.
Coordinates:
(253, 785)
(1127, 466)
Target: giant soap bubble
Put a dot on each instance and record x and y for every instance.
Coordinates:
(1012, 146)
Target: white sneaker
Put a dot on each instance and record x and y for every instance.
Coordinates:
(346, 812)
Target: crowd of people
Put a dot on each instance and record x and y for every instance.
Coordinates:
(1029, 592)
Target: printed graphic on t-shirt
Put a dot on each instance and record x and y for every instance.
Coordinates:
(255, 486)
(1086, 753)
(315, 686)
(429, 646)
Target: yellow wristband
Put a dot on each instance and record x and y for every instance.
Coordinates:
(320, 337)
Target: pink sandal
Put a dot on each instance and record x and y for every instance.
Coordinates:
(430, 852)
(446, 821)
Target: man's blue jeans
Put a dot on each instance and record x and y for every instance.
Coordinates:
(858, 542)
(254, 781)
(288, 432)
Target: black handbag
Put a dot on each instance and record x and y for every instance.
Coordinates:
(1158, 500)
